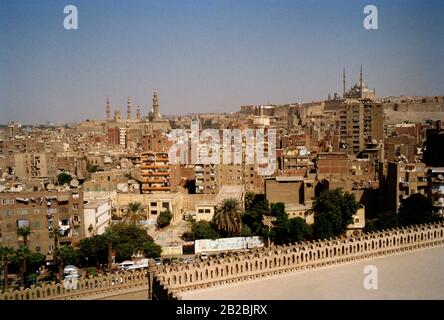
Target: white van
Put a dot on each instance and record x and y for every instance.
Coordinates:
(123, 266)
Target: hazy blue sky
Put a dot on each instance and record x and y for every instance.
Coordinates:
(208, 55)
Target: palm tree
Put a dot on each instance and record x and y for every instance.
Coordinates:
(228, 218)
(111, 236)
(57, 265)
(24, 232)
(21, 257)
(5, 255)
(133, 214)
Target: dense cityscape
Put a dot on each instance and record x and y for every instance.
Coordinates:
(103, 192)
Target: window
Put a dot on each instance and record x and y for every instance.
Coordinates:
(8, 213)
(22, 224)
(38, 249)
(22, 211)
(36, 211)
(207, 210)
(153, 211)
(201, 210)
(166, 205)
(356, 220)
(153, 204)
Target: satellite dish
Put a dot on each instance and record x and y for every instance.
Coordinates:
(74, 183)
(440, 177)
(50, 186)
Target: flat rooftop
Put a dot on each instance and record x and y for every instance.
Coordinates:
(413, 275)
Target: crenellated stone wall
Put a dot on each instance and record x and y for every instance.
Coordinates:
(170, 281)
(85, 288)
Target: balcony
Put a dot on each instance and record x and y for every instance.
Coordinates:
(154, 180)
(156, 188)
(438, 204)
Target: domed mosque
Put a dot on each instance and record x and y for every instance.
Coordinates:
(359, 90)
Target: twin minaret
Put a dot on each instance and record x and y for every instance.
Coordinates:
(117, 116)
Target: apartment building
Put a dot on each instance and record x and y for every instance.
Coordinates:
(43, 212)
(35, 165)
(403, 180)
(155, 172)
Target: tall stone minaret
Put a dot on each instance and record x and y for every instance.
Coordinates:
(128, 108)
(108, 110)
(138, 116)
(156, 114)
(117, 113)
(343, 84)
(360, 81)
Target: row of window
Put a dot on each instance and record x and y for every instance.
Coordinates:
(10, 212)
(6, 202)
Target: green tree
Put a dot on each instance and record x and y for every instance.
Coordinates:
(260, 205)
(24, 232)
(151, 249)
(111, 237)
(129, 239)
(298, 230)
(287, 230)
(333, 211)
(64, 178)
(278, 209)
(228, 218)
(249, 198)
(256, 206)
(122, 238)
(386, 220)
(164, 219)
(417, 209)
(93, 250)
(67, 255)
(35, 261)
(133, 214)
(21, 257)
(6, 254)
(203, 230)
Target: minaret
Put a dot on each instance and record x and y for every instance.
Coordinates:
(343, 84)
(108, 110)
(138, 113)
(128, 108)
(156, 114)
(117, 113)
(360, 81)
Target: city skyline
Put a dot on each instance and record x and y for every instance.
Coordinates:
(207, 56)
